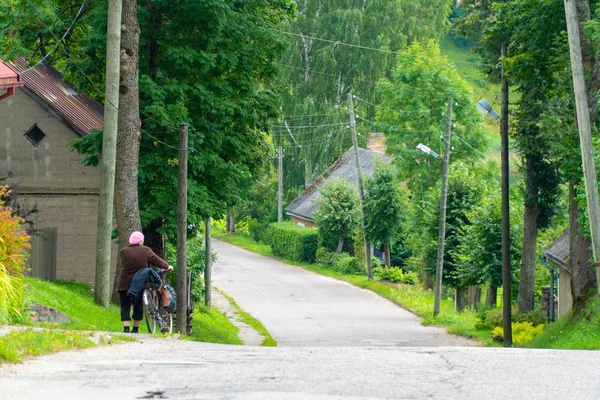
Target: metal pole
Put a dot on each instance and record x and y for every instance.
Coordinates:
(585, 136)
(360, 187)
(109, 148)
(182, 300)
(506, 275)
(280, 187)
(439, 269)
(208, 266)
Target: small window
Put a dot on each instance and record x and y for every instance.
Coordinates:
(35, 135)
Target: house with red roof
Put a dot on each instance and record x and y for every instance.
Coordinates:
(40, 114)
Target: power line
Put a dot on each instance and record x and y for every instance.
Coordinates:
(339, 42)
(472, 148)
(60, 40)
(307, 126)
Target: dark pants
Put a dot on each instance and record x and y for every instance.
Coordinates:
(126, 307)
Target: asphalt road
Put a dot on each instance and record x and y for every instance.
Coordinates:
(302, 308)
(177, 369)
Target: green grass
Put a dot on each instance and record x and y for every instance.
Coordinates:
(18, 345)
(253, 322)
(573, 332)
(412, 298)
(75, 300)
(212, 326)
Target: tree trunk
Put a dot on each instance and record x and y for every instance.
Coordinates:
(340, 244)
(583, 277)
(461, 294)
(230, 221)
(491, 296)
(386, 251)
(528, 256)
(127, 210)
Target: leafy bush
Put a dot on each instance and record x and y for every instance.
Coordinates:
(395, 275)
(491, 318)
(296, 243)
(13, 242)
(522, 332)
(340, 262)
(260, 232)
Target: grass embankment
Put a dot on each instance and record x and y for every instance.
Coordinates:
(412, 298)
(76, 300)
(253, 322)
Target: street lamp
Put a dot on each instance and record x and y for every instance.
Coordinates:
(485, 108)
(427, 150)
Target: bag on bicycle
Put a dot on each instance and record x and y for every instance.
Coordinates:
(168, 298)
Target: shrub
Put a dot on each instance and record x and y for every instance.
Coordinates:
(340, 262)
(296, 243)
(13, 242)
(522, 332)
(491, 318)
(395, 275)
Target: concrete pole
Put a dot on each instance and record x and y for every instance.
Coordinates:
(109, 149)
(280, 187)
(182, 300)
(585, 135)
(439, 269)
(506, 275)
(361, 195)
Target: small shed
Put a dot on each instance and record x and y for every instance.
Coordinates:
(558, 254)
(9, 80)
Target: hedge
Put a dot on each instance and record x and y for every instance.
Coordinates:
(293, 242)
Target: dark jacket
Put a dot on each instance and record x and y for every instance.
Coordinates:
(138, 283)
(134, 258)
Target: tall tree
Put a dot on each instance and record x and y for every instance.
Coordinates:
(340, 46)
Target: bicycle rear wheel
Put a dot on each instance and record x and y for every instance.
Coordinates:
(150, 304)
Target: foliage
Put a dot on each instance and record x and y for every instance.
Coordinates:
(293, 242)
(343, 263)
(478, 254)
(319, 70)
(465, 189)
(522, 332)
(395, 275)
(384, 204)
(13, 244)
(258, 231)
(420, 86)
(491, 318)
(212, 326)
(338, 214)
(196, 264)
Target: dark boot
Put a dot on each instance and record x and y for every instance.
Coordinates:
(135, 329)
(125, 329)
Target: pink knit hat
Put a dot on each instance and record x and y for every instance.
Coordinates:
(136, 238)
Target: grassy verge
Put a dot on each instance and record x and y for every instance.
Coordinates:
(253, 322)
(212, 326)
(412, 298)
(17, 345)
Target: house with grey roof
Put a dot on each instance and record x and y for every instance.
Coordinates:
(39, 117)
(301, 210)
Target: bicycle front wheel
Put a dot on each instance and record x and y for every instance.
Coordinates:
(166, 321)
(150, 304)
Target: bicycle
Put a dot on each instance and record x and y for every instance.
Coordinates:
(154, 313)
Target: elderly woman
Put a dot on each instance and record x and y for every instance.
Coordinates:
(135, 257)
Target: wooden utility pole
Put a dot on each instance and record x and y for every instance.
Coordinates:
(506, 275)
(361, 195)
(439, 269)
(280, 187)
(182, 300)
(109, 147)
(208, 264)
(585, 135)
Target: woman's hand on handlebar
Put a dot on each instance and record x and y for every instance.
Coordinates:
(170, 268)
